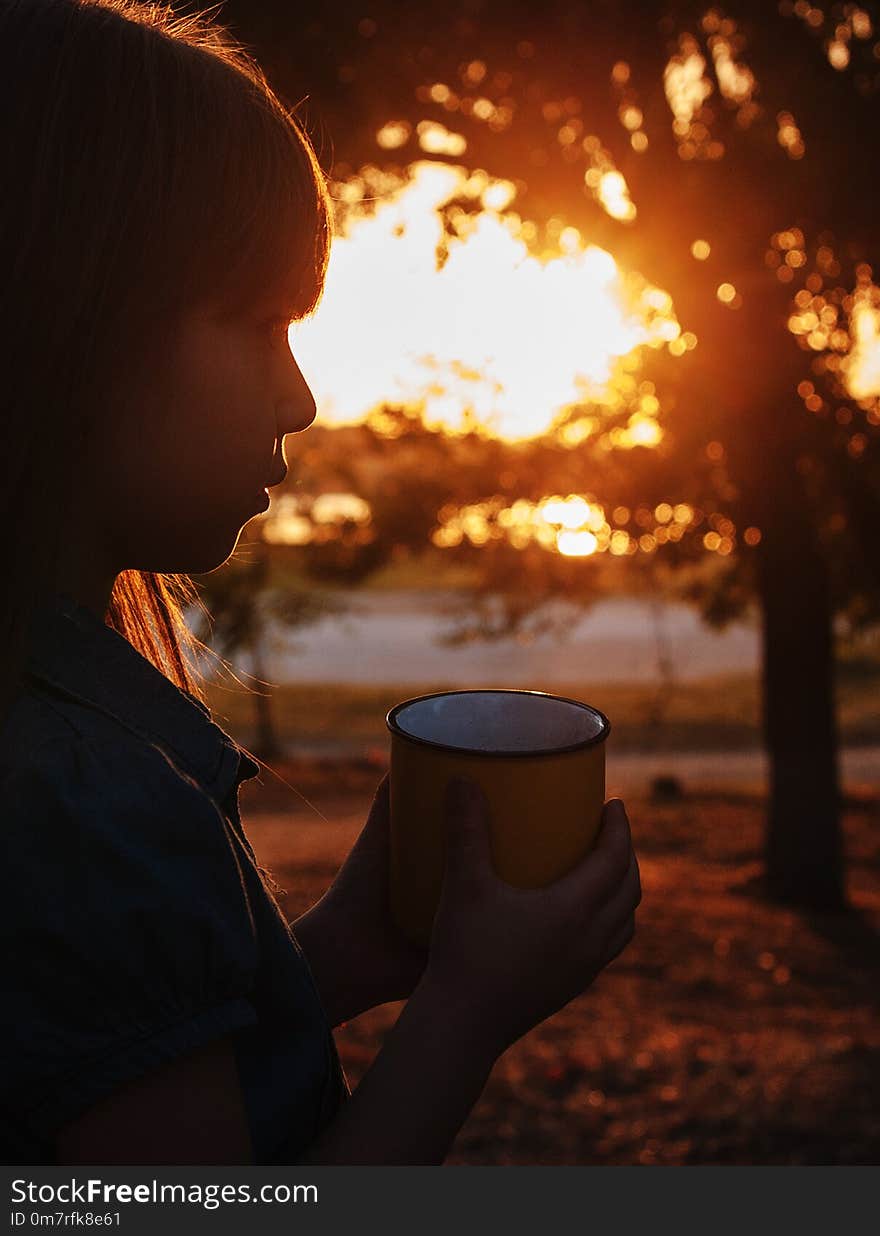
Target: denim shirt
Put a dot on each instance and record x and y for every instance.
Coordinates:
(136, 922)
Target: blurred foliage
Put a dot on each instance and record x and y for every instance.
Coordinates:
(769, 160)
(556, 66)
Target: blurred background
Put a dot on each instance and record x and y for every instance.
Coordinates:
(597, 369)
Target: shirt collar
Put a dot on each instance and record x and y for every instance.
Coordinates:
(75, 653)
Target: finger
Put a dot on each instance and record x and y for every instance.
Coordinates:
(614, 843)
(376, 831)
(468, 851)
(601, 871)
(621, 905)
(380, 809)
(621, 939)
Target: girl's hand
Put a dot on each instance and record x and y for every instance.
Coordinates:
(357, 955)
(507, 958)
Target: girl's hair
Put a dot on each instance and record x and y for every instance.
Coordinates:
(148, 165)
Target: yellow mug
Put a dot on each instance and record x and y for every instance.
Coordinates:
(540, 761)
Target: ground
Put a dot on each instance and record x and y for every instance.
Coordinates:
(730, 1031)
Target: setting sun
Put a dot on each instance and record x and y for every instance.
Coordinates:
(493, 335)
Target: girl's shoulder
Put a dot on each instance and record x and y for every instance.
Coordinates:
(34, 731)
(113, 781)
(82, 793)
(89, 697)
(129, 931)
(101, 754)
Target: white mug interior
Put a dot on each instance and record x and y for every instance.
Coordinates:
(500, 721)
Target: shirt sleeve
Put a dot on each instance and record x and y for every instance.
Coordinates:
(129, 935)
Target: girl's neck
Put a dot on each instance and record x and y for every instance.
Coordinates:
(87, 584)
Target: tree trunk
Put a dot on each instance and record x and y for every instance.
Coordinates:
(803, 846)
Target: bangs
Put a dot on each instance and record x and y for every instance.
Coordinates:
(248, 209)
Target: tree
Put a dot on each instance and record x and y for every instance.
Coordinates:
(748, 128)
(242, 599)
(788, 179)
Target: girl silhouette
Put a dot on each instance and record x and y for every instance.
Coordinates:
(164, 221)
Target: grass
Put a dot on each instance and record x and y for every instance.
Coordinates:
(720, 714)
(425, 572)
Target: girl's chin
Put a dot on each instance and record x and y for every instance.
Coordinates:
(256, 505)
(206, 558)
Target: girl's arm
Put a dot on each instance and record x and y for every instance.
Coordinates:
(502, 960)
(419, 1090)
(354, 964)
(188, 1111)
(335, 976)
(357, 956)
(407, 1109)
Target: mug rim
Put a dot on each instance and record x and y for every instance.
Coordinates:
(395, 728)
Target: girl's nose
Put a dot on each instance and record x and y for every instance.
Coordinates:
(297, 409)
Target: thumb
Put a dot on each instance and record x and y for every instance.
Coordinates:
(380, 809)
(376, 833)
(468, 851)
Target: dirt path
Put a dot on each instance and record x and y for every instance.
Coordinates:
(393, 637)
